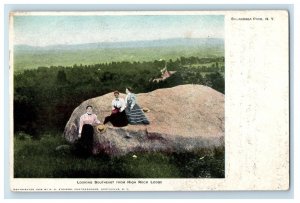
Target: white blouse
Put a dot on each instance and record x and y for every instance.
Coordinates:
(119, 103)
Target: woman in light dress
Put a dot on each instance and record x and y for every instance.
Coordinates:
(134, 113)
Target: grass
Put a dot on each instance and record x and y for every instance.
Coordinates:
(40, 159)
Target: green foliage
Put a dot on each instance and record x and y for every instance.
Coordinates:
(22, 136)
(40, 159)
(44, 98)
(216, 81)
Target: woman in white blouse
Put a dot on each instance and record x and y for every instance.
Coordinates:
(89, 118)
(86, 128)
(118, 117)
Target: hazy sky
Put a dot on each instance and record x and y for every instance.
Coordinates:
(52, 30)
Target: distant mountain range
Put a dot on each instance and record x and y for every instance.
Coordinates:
(30, 57)
(185, 42)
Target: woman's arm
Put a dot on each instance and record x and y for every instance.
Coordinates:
(133, 100)
(80, 125)
(123, 106)
(126, 100)
(96, 121)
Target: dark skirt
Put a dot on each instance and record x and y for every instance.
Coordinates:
(117, 119)
(84, 145)
(136, 115)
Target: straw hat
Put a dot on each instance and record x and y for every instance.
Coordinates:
(145, 109)
(101, 128)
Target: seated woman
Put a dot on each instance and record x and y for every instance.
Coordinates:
(134, 113)
(86, 131)
(87, 120)
(118, 117)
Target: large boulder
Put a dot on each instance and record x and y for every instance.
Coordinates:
(182, 118)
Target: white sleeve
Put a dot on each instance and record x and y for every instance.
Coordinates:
(122, 104)
(81, 123)
(126, 100)
(133, 101)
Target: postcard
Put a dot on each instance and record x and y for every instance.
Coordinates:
(149, 101)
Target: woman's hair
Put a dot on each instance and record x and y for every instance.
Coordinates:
(116, 92)
(129, 88)
(88, 106)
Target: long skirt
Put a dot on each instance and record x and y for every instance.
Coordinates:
(136, 115)
(84, 145)
(117, 119)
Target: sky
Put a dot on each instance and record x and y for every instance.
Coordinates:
(68, 30)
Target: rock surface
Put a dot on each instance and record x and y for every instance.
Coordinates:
(182, 118)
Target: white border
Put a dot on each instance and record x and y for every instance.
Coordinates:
(295, 99)
(250, 171)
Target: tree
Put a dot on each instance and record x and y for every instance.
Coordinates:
(61, 77)
(216, 81)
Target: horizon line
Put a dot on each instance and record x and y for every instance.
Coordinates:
(117, 41)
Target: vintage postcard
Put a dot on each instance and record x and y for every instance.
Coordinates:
(149, 101)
